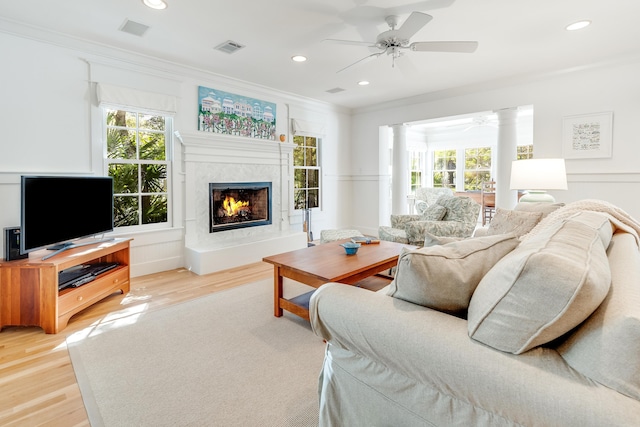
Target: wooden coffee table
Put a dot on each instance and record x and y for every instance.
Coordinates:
(317, 265)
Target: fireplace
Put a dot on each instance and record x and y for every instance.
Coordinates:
(239, 204)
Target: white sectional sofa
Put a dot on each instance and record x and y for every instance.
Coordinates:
(543, 331)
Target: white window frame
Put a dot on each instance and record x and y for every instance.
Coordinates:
(318, 148)
(168, 162)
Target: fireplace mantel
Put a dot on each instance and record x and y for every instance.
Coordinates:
(218, 158)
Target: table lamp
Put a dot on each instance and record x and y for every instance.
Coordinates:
(535, 176)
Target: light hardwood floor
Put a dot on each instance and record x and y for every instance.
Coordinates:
(37, 382)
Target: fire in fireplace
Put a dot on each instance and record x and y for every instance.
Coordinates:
(238, 205)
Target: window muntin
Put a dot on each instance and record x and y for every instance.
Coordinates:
(306, 169)
(137, 159)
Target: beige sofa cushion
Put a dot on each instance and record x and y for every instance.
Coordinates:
(444, 277)
(544, 288)
(512, 221)
(606, 347)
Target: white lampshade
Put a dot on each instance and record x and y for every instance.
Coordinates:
(538, 175)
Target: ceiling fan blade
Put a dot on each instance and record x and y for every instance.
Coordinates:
(419, 5)
(365, 59)
(413, 24)
(461, 47)
(351, 42)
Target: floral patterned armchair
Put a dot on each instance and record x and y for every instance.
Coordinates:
(458, 219)
(427, 196)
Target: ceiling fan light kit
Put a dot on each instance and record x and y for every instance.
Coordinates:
(394, 41)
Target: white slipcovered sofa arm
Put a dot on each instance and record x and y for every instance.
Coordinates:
(426, 356)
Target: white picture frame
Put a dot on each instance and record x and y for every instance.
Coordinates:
(587, 136)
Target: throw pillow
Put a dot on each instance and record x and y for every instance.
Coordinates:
(444, 277)
(456, 207)
(434, 213)
(516, 222)
(606, 346)
(543, 289)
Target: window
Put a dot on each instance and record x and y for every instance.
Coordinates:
(138, 160)
(525, 152)
(306, 168)
(477, 167)
(444, 168)
(416, 159)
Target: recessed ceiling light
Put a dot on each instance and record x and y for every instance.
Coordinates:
(363, 83)
(155, 4)
(578, 25)
(299, 58)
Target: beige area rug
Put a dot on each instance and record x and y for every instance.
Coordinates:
(220, 360)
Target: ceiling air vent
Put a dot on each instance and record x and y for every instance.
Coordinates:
(336, 90)
(135, 28)
(229, 47)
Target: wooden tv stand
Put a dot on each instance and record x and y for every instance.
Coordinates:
(29, 293)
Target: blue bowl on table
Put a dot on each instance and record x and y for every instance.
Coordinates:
(350, 248)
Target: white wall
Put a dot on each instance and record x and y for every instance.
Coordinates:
(612, 87)
(52, 125)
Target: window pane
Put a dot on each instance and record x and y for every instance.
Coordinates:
(154, 178)
(152, 146)
(300, 197)
(437, 179)
(311, 158)
(298, 156)
(300, 178)
(313, 178)
(313, 198)
(449, 180)
(416, 179)
(298, 140)
(125, 211)
(473, 180)
(125, 178)
(152, 122)
(154, 209)
(121, 144)
(310, 141)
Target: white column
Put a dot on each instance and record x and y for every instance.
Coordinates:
(400, 168)
(507, 152)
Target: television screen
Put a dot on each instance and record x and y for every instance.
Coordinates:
(56, 210)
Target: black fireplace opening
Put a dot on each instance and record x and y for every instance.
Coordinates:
(235, 205)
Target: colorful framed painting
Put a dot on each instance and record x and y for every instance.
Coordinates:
(587, 136)
(231, 114)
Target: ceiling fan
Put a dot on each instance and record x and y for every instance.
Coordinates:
(395, 41)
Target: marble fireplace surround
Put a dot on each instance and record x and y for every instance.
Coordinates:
(210, 158)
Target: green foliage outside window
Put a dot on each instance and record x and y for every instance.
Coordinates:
(477, 167)
(525, 152)
(306, 172)
(137, 161)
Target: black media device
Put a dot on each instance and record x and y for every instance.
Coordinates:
(57, 210)
(12, 244)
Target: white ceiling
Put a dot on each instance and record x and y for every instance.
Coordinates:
(516, 38)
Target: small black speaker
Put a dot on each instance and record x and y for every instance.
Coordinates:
(12, 244)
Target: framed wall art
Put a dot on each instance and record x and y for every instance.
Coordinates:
(231, 114)
(587, 136)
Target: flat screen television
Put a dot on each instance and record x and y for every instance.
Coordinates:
(58, 210)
